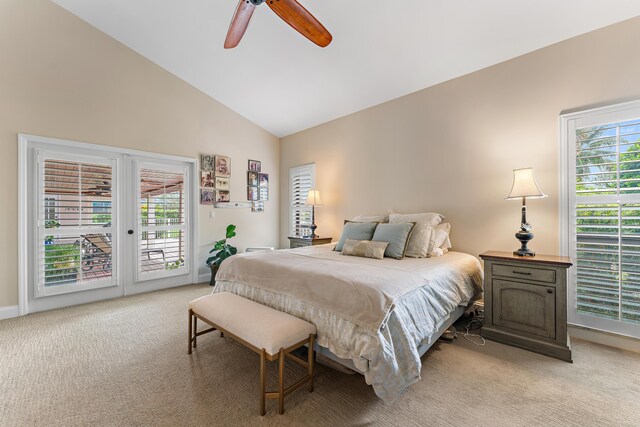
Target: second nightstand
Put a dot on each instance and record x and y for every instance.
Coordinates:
(299, 242)
(526, 302)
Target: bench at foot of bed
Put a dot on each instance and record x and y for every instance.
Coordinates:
(270, 333)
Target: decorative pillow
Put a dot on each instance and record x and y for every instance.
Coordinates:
(397, 235)
(364, 248)
(422, 241)
(442, 232)
(371, 218)
(356, 231)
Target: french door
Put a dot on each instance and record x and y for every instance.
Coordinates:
(160, 230)
(102, 223)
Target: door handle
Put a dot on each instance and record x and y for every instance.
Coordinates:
(130, 232)
(549, 291)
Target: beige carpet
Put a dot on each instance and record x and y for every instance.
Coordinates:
(124, 362)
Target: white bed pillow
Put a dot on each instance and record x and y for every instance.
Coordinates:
(422, 239)
(371, 218)
(442, 232)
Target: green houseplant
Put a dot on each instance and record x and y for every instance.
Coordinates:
(221, 251)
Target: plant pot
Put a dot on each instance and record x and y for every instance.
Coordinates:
(214, 270)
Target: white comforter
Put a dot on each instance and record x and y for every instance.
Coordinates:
(374, 312)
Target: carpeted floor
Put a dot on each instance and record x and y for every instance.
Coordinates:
(124, 362)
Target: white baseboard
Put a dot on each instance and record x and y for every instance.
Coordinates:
(9, 312)
(204, 278)
(605, 338)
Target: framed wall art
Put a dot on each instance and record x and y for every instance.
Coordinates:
(222, 196)
(207, 197)
(207, 162)
(223, 166)
(253, 194)
(222, 183)
(255, 166)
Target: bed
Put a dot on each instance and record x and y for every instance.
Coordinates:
(375, 316)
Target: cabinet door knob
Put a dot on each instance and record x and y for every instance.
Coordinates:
(549, 291)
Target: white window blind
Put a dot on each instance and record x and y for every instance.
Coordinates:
(74, 239)
(301, 180)
(605, 222)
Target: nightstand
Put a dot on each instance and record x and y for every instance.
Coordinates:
(300, 242)
(525, 301)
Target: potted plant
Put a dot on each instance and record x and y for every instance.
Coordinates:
(221, 251)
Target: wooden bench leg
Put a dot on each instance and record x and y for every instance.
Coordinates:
(195, 332)
(281, 384)
(190, 329)
(310, 357)
(263, 357)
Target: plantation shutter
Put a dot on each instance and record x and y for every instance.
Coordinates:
(162, 236)
(74, 244)
(606, 227)
(301, 180)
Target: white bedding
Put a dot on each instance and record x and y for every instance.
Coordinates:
(374, 312)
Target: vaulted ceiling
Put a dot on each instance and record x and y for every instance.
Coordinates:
(381, 49)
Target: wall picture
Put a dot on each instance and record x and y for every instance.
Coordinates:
(207, 179)
(257, 206)
(252, 179)
(223, 196)
(207, 162)
(253, 194)
(223, 166)
(255, 166)
(222, 183)
(264, 179)
(264, 193)
(206, 197)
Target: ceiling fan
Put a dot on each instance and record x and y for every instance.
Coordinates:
(290, 11)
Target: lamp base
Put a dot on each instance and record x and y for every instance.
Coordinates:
(524, 237)
(313, 231)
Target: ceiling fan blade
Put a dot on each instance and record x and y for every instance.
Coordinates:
(301, 20)
(239, 24)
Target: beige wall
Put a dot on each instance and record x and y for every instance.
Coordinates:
(62, 78)
(451, 148)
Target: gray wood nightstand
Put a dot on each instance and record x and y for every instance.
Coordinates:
(526, 302)
(299, 242)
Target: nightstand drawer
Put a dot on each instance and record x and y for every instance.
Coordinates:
(294, 245)
(528, 273)
(525, 308)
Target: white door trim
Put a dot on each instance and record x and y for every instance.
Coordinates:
(24, 141)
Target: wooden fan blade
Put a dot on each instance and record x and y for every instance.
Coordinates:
(239, 24)
(301, 20)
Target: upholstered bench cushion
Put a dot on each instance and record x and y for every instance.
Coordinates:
(259, 325)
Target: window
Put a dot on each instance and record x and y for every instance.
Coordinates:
(301, 180)
(603, 217)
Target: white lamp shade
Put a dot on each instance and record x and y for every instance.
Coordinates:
(524, 185)
(313, 198)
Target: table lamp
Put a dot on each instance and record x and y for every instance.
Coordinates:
(313, 200)
(524, 186)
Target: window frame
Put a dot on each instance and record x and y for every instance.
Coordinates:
(309, 168)
(568, 124)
